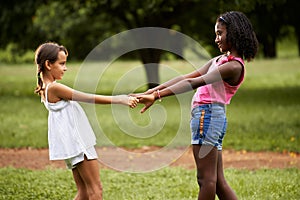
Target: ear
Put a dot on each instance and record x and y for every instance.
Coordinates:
(48, 65)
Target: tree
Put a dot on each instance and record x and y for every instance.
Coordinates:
(61, 21)
(16, 19)
(268, 25)
(81, 24)
(147, 13)
(289, 13)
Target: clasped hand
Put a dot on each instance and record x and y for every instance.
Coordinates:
(146, 99)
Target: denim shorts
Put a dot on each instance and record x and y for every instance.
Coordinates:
(208, 125)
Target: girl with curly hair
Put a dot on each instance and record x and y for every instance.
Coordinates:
(70, 135)
(216, 83)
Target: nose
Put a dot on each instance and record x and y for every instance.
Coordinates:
(217, 39)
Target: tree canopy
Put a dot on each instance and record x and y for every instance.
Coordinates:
(82, 24)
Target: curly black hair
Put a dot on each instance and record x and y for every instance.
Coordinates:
(240, 33)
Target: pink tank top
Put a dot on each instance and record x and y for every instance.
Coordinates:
(218, 92)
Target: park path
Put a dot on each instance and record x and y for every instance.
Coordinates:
(37, 159)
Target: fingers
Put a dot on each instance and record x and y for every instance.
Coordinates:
(144, 109)
(147, 100)
(132, 101)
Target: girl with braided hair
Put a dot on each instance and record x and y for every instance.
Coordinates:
(216, 83)
(70, 135)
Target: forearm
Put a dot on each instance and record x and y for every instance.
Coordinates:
(182, 86)
(92, 98)
(118, 99)
(197, 73)
(98, 99)
(101, 99)
(176, 80)
(165, 85)
(189, 84)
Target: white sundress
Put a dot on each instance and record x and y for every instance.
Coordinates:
(69, 131)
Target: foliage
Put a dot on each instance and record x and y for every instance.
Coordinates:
(73, 24)
(16, 24)
(81, 25)
(167, 183)
(12, 54)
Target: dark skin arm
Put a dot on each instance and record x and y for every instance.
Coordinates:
(194, 74)
(229, 72)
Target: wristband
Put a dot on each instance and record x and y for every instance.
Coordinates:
(158, 94)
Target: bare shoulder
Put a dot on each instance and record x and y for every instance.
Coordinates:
(236, 65)
(58, 91)
(58, 86)
(231, 71)
(233, 66)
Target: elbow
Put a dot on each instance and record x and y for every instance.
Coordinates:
(195, 82)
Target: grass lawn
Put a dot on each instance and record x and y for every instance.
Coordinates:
(263, 116)
(168, 183)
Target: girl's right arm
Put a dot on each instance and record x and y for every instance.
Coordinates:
(59, 91)
(194, 74)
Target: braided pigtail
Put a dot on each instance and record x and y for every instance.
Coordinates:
(40, 83)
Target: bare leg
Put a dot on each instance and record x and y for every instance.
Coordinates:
(81, 189)
(89, 173)
(206, 158)
(224, 191)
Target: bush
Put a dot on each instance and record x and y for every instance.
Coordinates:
(12, 54)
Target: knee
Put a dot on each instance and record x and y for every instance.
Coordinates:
(199, 180)
(97, 188)
(206, 181)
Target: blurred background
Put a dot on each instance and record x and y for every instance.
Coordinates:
(265, 113)
(82, 24)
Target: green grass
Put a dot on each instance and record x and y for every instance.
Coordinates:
(168, 183)
(264, 114)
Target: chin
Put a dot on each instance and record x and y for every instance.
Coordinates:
(223, 51)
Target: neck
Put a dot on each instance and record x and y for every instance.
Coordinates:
(233, 53)
(47, 78)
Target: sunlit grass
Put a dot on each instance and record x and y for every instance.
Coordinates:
(167, 183)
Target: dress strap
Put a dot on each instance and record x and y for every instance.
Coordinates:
(46, 92)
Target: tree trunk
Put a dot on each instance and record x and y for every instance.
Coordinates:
(297, 29)
(151, 59)
(269, 46)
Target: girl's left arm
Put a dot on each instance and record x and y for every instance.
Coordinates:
(67, 93)
(227, 71)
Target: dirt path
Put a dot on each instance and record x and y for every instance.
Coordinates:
(150, 158)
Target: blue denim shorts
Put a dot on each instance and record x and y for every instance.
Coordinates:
(208, 125)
